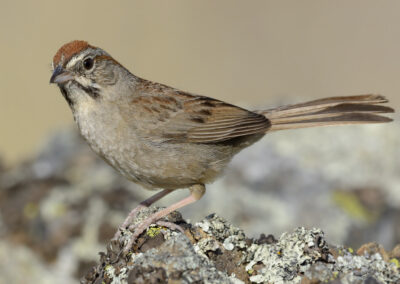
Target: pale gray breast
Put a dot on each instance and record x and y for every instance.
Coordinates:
(105, 132)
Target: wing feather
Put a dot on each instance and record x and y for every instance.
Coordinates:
(179, 117)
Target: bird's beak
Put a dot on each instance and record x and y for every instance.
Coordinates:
(60, 76)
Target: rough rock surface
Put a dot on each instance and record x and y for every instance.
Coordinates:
(214, 251)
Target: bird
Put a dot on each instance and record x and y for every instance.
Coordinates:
(167, 139)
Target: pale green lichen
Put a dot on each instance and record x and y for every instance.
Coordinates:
(278, 258)
(205, 245)
(109, 270)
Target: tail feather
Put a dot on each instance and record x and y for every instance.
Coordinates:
(329, 111)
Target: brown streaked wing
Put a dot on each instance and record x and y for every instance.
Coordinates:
(198, 119)
(220, 121)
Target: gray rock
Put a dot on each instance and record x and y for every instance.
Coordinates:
(214, 251)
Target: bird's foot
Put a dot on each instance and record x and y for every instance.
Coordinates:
(144, 204)
(196, 192)
(128, 221)
(138, 229)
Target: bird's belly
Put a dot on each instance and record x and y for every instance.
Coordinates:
(170, 166)
(179, 165)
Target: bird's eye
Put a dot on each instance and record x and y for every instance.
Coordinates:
(88, 63)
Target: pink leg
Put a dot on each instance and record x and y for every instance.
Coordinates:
(196, 192)
(144, 204)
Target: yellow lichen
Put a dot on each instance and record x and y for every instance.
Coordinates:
(153, 231)
(395, 261)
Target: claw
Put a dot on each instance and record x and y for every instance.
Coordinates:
(171, 226)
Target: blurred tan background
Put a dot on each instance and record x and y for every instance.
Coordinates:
(252, 53)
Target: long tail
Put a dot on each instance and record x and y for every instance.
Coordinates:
(329, 111)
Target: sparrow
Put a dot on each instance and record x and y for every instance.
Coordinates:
(166, 139)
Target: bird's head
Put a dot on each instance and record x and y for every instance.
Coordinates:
(84, 72)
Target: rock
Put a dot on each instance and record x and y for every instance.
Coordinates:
(214, 251)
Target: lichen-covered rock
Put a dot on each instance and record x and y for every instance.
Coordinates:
(289, 257)
(174, 260)
(214, 251)
(159, 256)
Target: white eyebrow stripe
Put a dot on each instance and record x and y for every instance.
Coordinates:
(74, 60)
